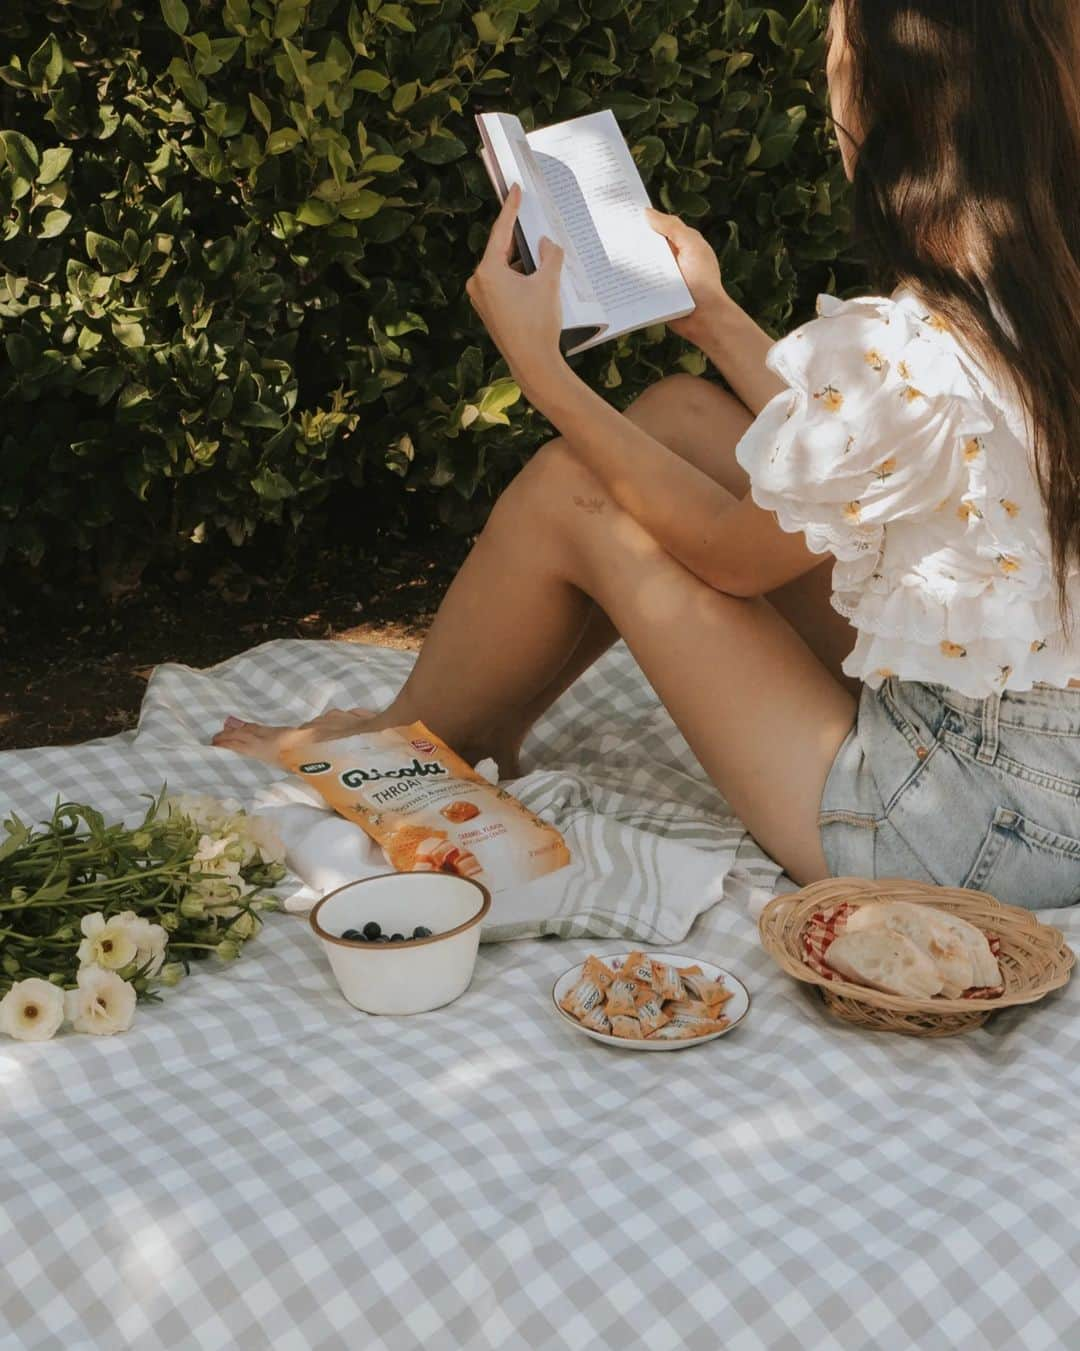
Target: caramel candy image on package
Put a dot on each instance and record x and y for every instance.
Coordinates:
(428, 809)
(644, 998)
(459, 811)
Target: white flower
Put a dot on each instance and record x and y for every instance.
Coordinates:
(208, 813)
(260, 839)
(212, 854)
(107, 943)
(32, 1010)
(150, 940)
(220, 894)
(103, 1003)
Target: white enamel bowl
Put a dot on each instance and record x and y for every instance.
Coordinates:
(409, 977)
(734, 1010)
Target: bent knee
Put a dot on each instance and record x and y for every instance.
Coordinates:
(681, 396)
(553, 480)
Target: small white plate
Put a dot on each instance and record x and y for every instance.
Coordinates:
(734, 1010)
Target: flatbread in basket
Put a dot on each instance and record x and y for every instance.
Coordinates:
(1034, 958)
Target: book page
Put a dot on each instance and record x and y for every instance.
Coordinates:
(598, 192)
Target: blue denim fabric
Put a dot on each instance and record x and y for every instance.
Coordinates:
(981, 793)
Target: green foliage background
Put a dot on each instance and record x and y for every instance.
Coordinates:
(234, 237)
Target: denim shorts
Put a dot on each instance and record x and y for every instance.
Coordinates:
(983, 793)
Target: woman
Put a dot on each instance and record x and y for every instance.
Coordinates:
(850, 579)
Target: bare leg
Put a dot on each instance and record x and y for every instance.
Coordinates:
(760, 711)
(703, 423)
(697, 420)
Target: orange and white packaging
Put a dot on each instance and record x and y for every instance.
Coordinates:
(428, 809)
(622, 997)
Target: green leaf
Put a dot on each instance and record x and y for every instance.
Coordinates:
(381, 164)
(128, 333)
(288, 17)
(316, 212)
(441, 149)
(21, 153)
(261, 112)
(396, 15)
(361, 205)
(55, 223)
(285, 138)
(175, 14)
(404, 96)
(373, 81)
(272, 485)
(497, 396)
(47, 64)
(53, 163)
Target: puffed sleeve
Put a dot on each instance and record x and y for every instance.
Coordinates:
(877, 425)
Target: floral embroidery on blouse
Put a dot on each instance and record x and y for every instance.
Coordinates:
(1038, 645)
(874, 359)
(1008, 506)
(936, 322)
(952, 649)
(1007, 564)
(972, 449)
(885, 468)
(852, 511)
(831, 398)
(968, 511)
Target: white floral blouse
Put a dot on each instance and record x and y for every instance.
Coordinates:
(894, 451)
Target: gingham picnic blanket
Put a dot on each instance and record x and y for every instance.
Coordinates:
(256, 1165)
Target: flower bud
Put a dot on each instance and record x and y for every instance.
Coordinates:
(228, 952)
(64, 934)
(172, 973)
(244, 926)
(11, 966)
(192, 907)
(171, 921)
(58, 978)
(141, 839)
(265, 903)
(19, 893)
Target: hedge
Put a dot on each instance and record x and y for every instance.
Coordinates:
(235, 237)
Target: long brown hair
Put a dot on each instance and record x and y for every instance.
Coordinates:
(967, 186)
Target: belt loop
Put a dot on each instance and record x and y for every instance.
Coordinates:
(988, 742)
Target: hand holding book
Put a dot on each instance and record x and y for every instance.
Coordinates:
(700, 269)
(523, 313)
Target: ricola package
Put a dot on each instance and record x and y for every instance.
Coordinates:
(427, 808)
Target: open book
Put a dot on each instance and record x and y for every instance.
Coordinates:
(581, 187)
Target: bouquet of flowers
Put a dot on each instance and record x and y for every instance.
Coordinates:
(94, 917)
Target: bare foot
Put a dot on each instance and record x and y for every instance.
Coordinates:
(260, 741)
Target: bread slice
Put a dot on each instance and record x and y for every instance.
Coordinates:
(884, 960)
(959, 949)
(924, 927)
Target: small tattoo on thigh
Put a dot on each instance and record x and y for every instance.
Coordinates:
(593, 505)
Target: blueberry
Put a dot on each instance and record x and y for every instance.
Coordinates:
(421, 932)
(397, 938)
(353, 935)
(382, 938)
(372, 930)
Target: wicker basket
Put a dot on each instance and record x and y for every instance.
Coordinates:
(1034, 958)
